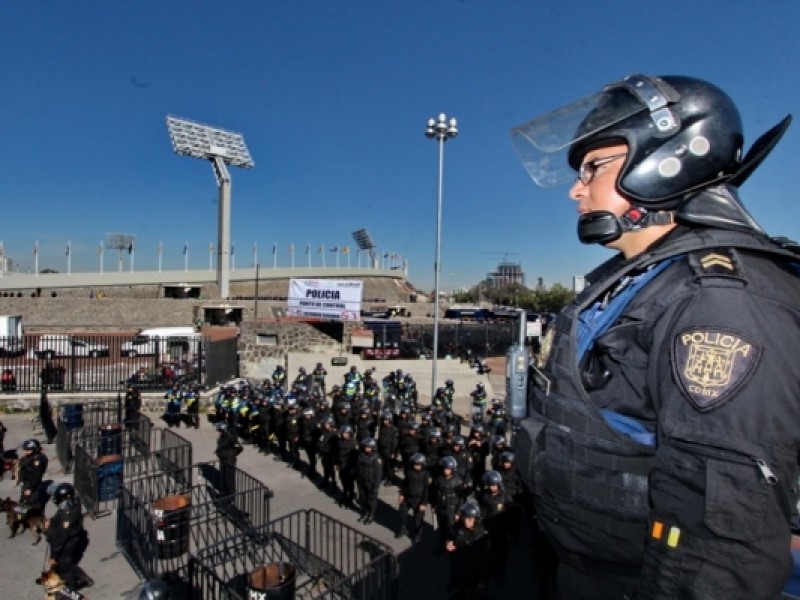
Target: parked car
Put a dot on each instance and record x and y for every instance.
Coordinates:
(173, 341)
(52, 346)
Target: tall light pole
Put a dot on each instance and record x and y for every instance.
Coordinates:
(442, 130)
(221, 148)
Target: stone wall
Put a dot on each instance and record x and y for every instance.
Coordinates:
(50, 314)
(265, 344)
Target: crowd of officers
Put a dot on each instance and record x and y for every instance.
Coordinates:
(366, 433)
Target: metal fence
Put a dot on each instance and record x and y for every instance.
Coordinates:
(115, 453)
(97, 362)
(330, 560)
(458, 339)
(165, 517)
(78, 420)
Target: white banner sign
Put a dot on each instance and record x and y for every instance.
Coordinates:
(326, 298)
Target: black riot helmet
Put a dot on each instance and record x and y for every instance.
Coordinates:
(418, 459)
(448, 462)
(154, 589)
(492, 478)
(62, 492)
(32, 445)
(684, 135)
(470, 510)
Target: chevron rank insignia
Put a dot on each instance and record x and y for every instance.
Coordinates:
(715, 263)
(711, 365)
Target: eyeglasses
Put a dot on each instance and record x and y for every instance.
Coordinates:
(588, 169)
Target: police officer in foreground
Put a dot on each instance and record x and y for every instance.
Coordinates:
(468, 545)
(228, 449)
(664, 404)
(413, 496)
(32, 467)
(67, 538)
(370, 475)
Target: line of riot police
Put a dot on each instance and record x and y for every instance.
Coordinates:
(365, 434)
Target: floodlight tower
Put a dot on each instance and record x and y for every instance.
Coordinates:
(364, 242)
(222, 148)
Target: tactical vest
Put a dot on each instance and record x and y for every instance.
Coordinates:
(589, 481)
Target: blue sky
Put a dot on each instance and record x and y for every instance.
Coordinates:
(332, 97)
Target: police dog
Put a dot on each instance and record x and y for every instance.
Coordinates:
(11, 465)
(56, 589)
(32, 519)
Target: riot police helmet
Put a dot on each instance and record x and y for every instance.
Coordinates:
(477, 428)
(418, 459)
(62, 492)
(32, 445)
(448, 462)
(435, 434)
(458, 441)
(413, 427)
(327, 422)
(369, 443)
(308, 412)
(386, 415)
(492, 478)
(449, 383)
(470, 510)
(498, 440)
(682, 134)
(221, 426)
(507, 457)
(346, 430)
(155, 589)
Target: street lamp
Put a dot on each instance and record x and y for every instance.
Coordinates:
(442, 130)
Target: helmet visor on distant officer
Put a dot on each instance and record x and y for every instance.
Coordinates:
(683, 134)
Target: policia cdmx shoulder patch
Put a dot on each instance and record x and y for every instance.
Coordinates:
(711, 364)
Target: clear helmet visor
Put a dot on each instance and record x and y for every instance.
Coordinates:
(543, 144)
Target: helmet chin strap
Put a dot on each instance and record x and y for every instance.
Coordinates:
(604, 227)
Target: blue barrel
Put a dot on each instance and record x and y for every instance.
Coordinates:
(110, 439)
(109, 477)
(72, 415)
